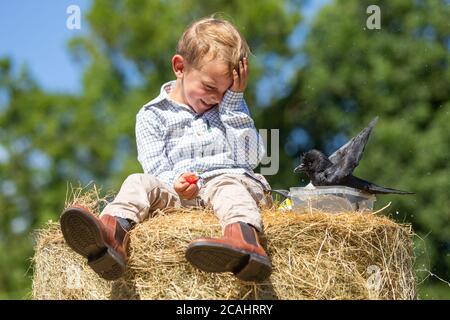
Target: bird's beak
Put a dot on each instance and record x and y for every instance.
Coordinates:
(300, 168)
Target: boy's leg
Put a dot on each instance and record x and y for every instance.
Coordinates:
(236, 197)
(104, 240)
(235, 200)
(139, 196)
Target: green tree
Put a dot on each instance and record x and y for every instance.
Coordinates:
(401, 73)
(48, 140)
(326, 90)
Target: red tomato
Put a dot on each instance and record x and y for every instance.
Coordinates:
(191, 179)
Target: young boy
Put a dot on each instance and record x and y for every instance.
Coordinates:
(197, 145)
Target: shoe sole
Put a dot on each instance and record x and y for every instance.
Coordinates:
(82, 233)
(216, 258)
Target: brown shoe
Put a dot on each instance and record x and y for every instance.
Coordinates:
(102, 240)
(238, 251)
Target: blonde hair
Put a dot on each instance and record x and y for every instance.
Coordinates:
(215, 37)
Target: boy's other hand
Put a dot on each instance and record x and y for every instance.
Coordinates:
(184, 187)
(240, 78)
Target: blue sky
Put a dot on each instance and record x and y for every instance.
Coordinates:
(35, 33)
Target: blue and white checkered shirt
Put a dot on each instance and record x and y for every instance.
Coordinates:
(172, 139)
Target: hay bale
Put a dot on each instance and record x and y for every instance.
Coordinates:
(62, 274)
(315, 256)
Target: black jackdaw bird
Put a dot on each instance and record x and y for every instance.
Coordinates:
(338, 168)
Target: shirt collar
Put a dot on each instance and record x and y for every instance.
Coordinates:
(166, 88)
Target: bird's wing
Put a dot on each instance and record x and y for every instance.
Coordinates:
(348, 156)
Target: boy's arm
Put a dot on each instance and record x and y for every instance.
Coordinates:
(151, 147)
(246, 143)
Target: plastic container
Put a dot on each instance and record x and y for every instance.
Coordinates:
(331, 199)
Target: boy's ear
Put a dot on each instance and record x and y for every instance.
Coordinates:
(178, 65)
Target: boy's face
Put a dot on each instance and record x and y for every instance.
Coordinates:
(203, 87)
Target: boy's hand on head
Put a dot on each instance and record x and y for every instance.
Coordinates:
(240, 78)
(186, 185)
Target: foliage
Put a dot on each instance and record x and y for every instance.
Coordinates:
(327, 90)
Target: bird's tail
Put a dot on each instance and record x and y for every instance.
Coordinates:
(382, 190)
(375, 189)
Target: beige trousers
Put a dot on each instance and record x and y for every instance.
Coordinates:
(233, 198)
